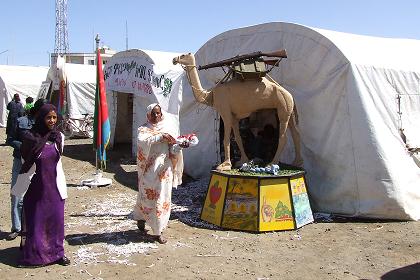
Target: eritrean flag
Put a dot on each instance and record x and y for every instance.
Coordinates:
(101, 125)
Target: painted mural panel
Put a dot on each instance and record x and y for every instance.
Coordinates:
(275, 208)
(241, 204)
(213, 205)
(301, 205)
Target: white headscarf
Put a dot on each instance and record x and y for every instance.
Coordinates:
(150, 108)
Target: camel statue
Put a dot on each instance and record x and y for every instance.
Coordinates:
(237, 99)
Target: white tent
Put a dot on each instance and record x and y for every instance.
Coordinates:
(81, 85)
(24, 80)
(346, 88)
(135, 79)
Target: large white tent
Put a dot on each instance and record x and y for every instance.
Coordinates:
(23, 80)
(354, 94)
(81, 86)
(80, 81)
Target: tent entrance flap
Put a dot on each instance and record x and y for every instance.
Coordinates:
(124, 119)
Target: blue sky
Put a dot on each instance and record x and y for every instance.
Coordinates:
(28, 26)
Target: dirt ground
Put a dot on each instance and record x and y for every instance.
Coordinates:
(103, 243)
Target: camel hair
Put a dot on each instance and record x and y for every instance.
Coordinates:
(237, 99)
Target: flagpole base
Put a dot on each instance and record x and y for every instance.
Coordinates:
(97, 181)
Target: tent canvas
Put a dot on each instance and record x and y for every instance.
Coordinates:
(346, 88)
(80, 87)
(23, 80)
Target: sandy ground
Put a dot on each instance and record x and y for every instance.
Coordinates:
(103, 243)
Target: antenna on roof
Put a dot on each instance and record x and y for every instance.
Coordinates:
(126, 35)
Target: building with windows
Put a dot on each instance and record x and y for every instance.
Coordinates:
(85, 58)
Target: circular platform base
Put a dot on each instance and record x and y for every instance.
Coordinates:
(97, 181)
(257, 202)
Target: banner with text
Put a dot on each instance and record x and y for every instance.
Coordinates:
(140, 76)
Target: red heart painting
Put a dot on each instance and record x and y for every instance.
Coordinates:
(215, 193)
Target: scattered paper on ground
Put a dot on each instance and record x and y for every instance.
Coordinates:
(104, 231)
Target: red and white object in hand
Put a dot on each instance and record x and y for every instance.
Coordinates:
(187, 140)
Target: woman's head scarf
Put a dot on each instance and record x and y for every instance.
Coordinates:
(167, 123)
(149, 110)
(34, 142)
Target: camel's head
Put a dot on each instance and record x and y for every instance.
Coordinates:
(184, 59)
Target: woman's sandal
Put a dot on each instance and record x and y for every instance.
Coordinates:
(160, 239)
(64, 261)
(141, 225)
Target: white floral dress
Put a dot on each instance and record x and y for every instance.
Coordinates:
(159, 169)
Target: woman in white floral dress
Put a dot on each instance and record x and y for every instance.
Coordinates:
(159, 167)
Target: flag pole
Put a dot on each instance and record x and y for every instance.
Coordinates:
(101, 125)
(97, 40)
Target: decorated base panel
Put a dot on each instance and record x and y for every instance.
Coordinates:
(257, 202)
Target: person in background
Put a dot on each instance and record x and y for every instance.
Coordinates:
(159, 167)
(29, 104)
(42, 184)
(16, 110)
(24, 124)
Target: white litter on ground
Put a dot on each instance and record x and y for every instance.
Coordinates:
(86, 255)
(104, 231)
(130, 248)
(114, 206)
(187, 201)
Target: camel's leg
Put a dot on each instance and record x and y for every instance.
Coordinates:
(283, 122)
(226, 165)
(238, 138)
(294, 130)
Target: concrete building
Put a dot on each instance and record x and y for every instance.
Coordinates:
(85, 58)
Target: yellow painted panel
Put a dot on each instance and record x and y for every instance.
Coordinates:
(241, 209)
(298, 186)
(213, 205)
(275, 206)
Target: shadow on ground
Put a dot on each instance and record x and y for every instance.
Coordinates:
(410, 272)
(122, 237)
(3, 235)
(10, 256)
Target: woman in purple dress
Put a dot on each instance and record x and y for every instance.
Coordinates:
(42, 183)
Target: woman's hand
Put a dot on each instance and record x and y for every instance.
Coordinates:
(168, 138)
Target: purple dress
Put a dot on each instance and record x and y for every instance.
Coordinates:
(43, 213)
